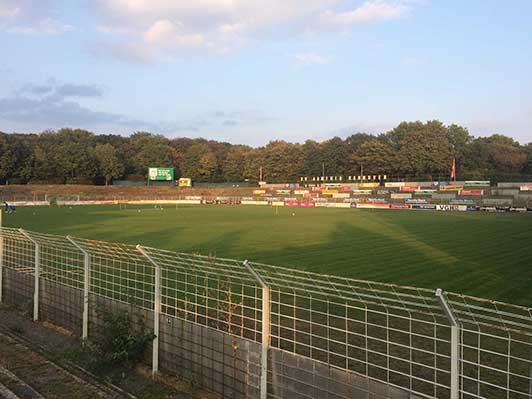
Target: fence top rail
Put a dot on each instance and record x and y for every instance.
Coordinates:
(207, 266)
(390, 296)
(490, 313)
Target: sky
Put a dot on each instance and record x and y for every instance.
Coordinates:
(251, 71)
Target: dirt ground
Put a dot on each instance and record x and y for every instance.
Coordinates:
(45, 357)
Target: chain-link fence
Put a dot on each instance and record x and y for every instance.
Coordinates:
(255, 330)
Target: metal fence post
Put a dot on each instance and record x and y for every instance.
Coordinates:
(266, 330)
(86, 287)
(455, 344)
(1, 258)
(36, 272)
(156, 309)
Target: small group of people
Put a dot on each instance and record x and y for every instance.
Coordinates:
(9, 208)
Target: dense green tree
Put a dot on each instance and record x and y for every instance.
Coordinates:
(281, 161)
(312, 159)
(415, 150)
(72, 151)
(199, 163)
(234, 163)
(109, 166)
(146, 150)
(335, 156)
(375, 157)
(424, 150)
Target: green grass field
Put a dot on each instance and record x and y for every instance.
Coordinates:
(486, 255)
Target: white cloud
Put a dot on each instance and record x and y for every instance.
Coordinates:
(45, 27)
(29, 17)
(224, 25)
(310, 59)
(166, 33)
(7, 11)
(369, 12)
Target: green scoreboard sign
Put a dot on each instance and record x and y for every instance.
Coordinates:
(164, 174)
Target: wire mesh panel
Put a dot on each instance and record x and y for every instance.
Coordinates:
(120, 272)
(19, 265)
(214, 292)
(496, 348)
(59, 260)
(397, 335)
(19, 251)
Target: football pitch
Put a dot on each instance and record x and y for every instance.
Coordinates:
(481, 254)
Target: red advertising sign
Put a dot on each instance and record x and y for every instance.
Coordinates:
(409, 188)
(291, 203)
(346, 188)
(304, 204)
(310, 195)
(399, 206)
(318, 188)
(471, 192)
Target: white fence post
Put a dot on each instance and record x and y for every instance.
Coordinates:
(266, 330)
(36, 272)
(156, 309)
(1, 258)
(86, 287)
(455, 344)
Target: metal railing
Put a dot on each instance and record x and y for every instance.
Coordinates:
(430, 343)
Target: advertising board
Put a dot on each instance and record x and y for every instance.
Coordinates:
(462, 201)
(324, 205)
(451, 188)
(400, 195)
(399, 206)
(451, 208)
(341, 205)
(423, 207)
(409, 188)
(161, 174)
(367, 205)
(394, 184)
(291, 203)
(254, 202)
(471, 192)
(416, 201)
(184, 182)
(369, 185)
(477, 183)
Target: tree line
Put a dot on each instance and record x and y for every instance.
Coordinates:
(412, 150)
